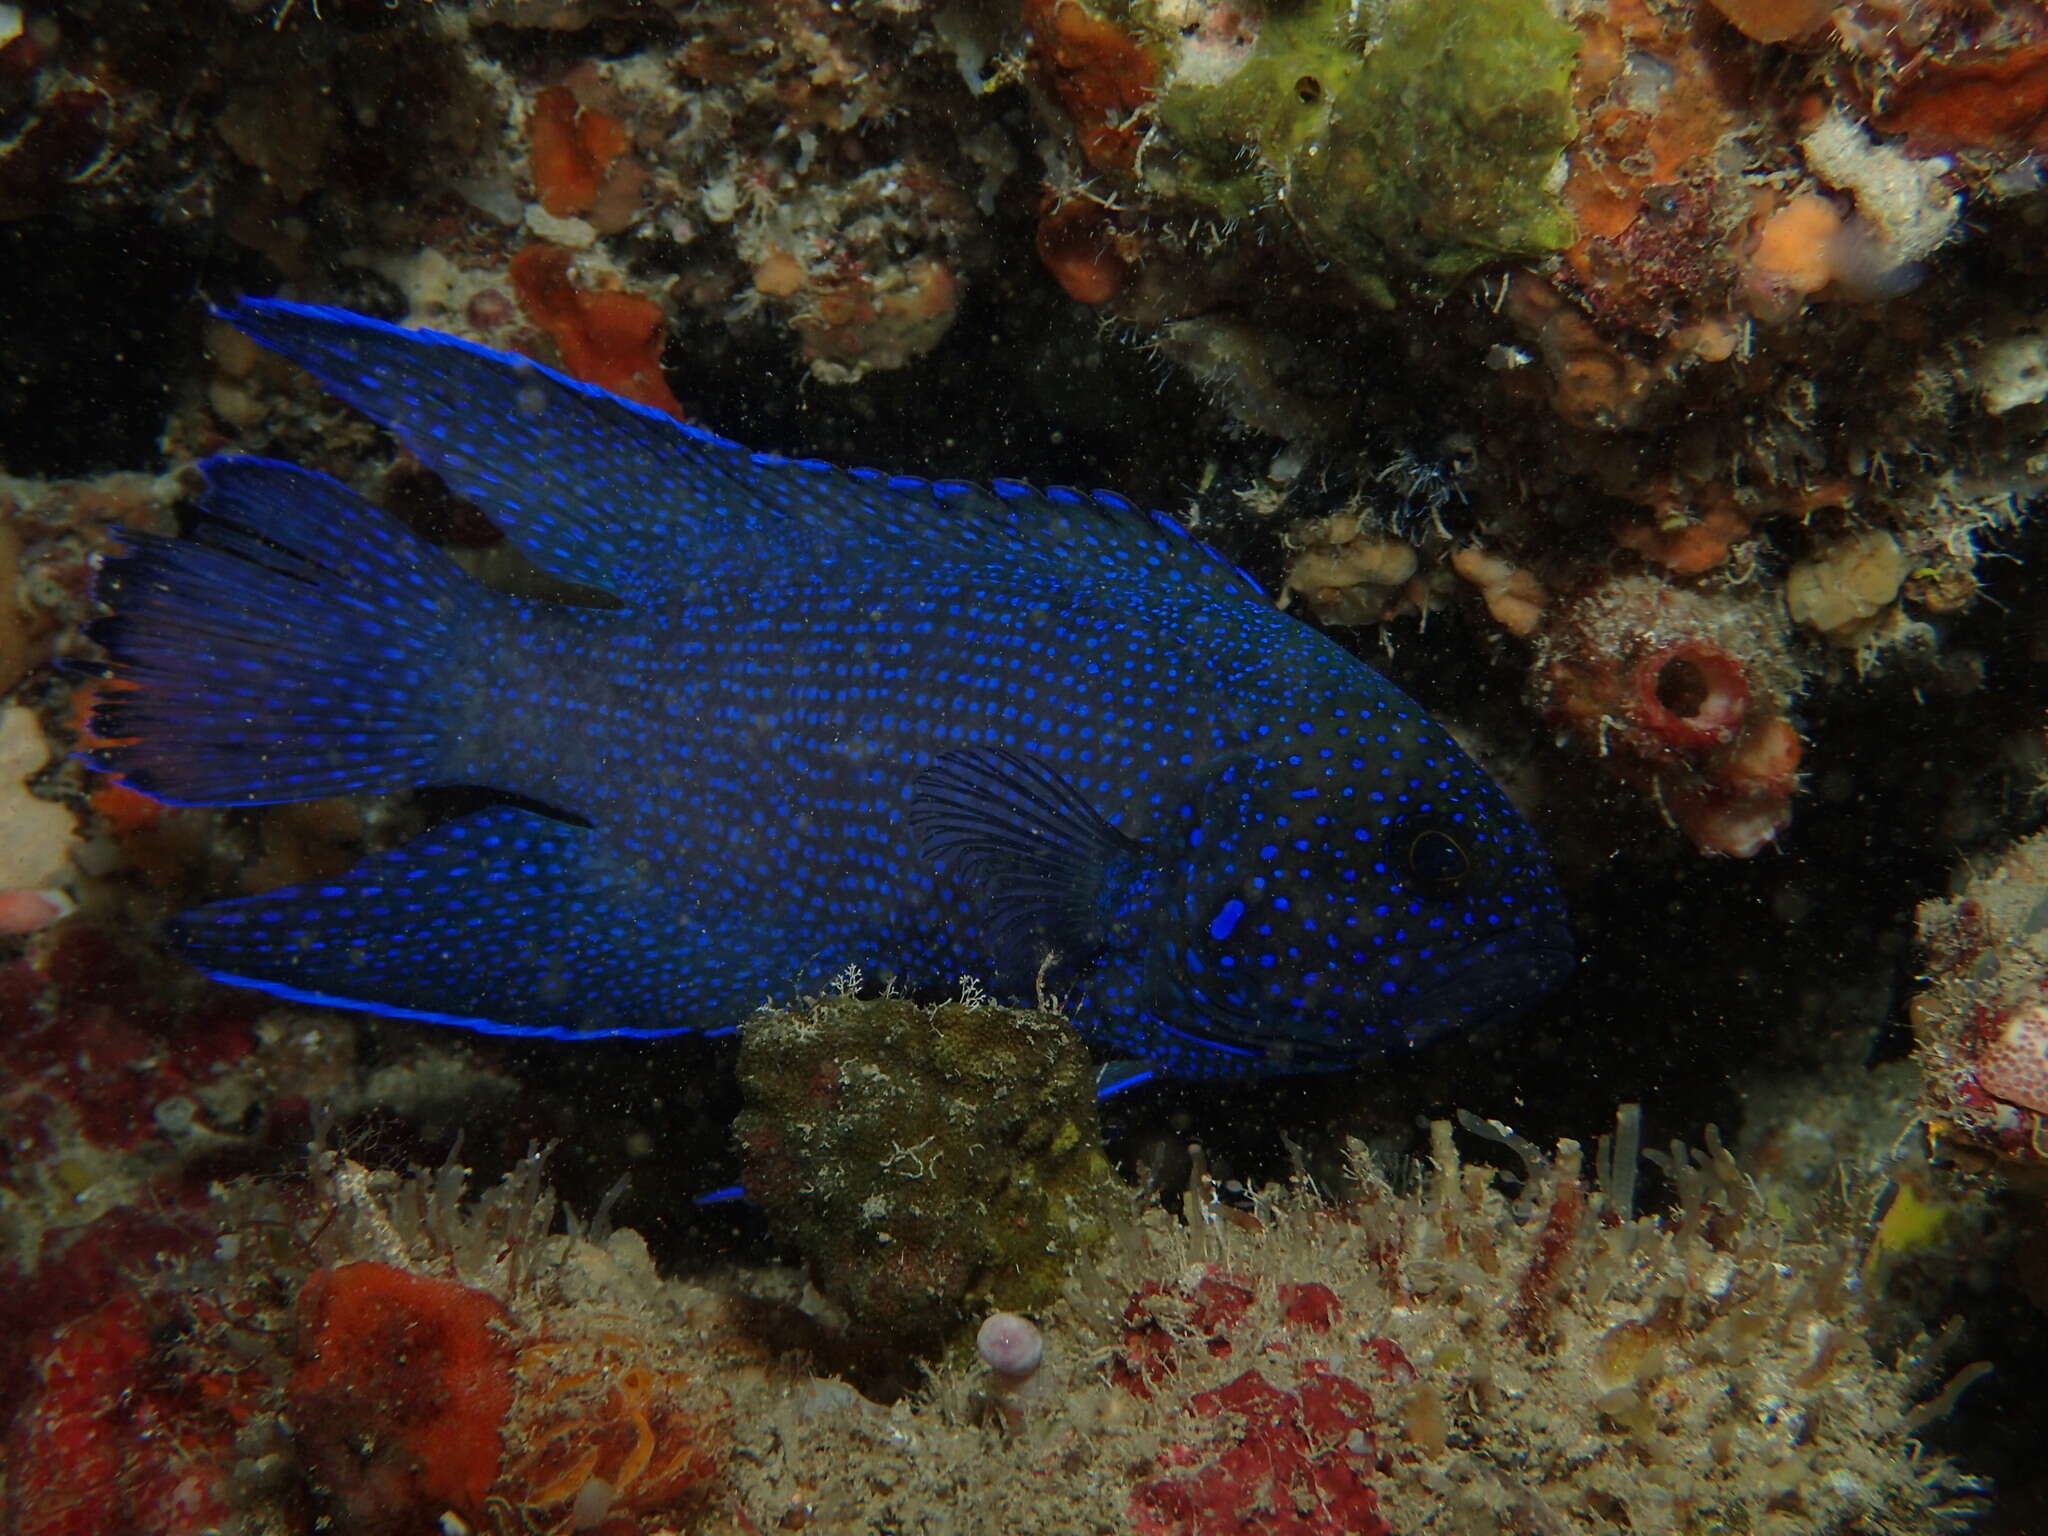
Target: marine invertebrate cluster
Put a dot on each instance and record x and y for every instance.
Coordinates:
(413, 1394)
(811, 163)
(119, 1077)
(1472, 1353)
(1981, 1021)
(385, 1349)
(1347, 573)
(1685, 697)
(1846, 589)
(575, 160)
(35, 834)
(1297, 1456)
(382, 1352)
(928, 1162)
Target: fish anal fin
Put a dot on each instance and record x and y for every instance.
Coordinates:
(506, 921)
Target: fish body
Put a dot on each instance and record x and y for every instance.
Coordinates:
(809, 719)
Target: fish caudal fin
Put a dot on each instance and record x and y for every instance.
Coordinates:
(297, 644)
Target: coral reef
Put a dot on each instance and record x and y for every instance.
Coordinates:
(929, 1163)
(1656, 388)
(1699, 265)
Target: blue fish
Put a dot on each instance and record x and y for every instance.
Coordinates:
(807, 719)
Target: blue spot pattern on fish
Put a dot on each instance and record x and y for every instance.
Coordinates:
(811, 718)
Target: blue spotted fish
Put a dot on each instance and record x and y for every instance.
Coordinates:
(807, 719)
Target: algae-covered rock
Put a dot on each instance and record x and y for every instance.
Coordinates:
(929, 1163)
(1410, 140)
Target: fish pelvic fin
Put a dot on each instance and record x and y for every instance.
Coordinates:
(299, 643)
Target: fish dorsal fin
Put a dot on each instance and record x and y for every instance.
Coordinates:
(1044, 868)
(575, 476)
(616, 496)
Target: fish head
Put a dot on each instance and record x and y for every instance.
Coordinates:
(1328, 904)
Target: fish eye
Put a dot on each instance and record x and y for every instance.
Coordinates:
(1437, 861)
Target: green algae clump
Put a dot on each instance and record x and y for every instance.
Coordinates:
(931, 1164)
(1410, 146)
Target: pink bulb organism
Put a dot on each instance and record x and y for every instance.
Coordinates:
(1010, 1344)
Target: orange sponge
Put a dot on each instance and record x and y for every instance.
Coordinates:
(1775, 21)
(612, 340)
(573, 149)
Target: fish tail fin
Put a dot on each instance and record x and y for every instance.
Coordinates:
(299, 643)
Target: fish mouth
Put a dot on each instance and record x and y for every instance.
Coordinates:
(1485, 988)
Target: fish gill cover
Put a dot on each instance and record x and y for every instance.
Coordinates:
(1039, 737)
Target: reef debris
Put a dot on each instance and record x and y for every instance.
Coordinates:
(1981, 1020)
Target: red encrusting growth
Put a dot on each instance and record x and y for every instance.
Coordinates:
(399, 1393)
(117, 1438)
(1310, 1305)
(1297, 1463)
(1543, 1278)
(1288, 1447)
(574, 148)
(1691, 694)
(612, 340)
(1214, 1305)
(90, 1036)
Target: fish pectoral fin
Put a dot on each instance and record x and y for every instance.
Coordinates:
(506, 921)
(1047, 870)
